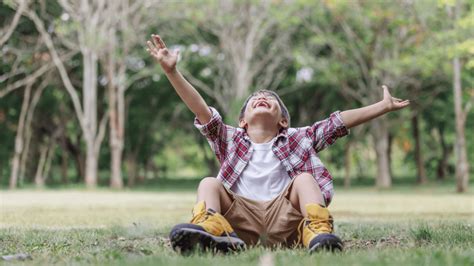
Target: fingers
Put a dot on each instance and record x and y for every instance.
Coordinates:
(396, 99)
(158, 41)
(150, 45)
(397, 103)
(156, 44)
(403, 104)
(153, 51)
(151, 48)
(155, 41)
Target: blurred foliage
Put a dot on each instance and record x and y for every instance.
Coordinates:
(160, 137)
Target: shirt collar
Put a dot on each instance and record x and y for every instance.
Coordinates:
(282, 134)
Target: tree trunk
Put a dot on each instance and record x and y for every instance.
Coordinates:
(91, 166)
(142, 175)
(74, 150)
(131, 163)
(420, 166)
(390, 144)
(80, 167)
(63, 144)
(64, 156)
(149, 169)
(29, 118)
(39, 178)
(380, 136)
(49, 161)
(90, 116)
(442, 169)
(462, 166)
(116, 163)
(116, 123)
(19, 139)
(64, 167)
(347, 165)
(115, 140)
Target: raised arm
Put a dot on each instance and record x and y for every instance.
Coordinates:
(354, 117)
(183, 88)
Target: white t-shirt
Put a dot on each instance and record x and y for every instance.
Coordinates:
(264, 177)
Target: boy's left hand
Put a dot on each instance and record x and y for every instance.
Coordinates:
(392, 102)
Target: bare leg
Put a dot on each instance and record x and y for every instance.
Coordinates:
(212, 192)
(305, 190)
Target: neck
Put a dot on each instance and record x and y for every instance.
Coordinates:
(261, 134)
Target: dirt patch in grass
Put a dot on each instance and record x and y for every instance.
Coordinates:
(389, 241)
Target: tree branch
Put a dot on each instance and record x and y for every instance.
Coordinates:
(101, 134)
(202, 86)
(60, 66)
(14, 22)
(137, 76)
(351, 36)
(34, 76)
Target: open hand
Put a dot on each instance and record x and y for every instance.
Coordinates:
(160, 52)
(392, 102)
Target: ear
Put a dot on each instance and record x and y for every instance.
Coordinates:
(242, 123)
(283, 123)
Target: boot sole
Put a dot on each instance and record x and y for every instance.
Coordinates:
(186, 239)
(326, 242)
(331, 244)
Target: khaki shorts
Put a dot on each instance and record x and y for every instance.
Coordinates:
(269, 223)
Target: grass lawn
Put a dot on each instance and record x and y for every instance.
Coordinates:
(409, 226)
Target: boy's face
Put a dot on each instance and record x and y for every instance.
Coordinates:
(263, 106)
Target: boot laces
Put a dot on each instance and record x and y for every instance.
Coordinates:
(203, 216)
(316, 226)
(199, 217)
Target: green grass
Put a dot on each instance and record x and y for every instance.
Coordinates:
(418, 226)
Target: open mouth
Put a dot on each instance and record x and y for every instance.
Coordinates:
(262, 104)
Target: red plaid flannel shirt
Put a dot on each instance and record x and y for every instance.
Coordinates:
(297, 148)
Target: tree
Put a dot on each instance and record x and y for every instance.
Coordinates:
(29, 64)
(461, 27)
(124, 33)
(88, 27)
(250, 43)
(364, 40)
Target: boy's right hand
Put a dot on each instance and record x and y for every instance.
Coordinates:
(160, 52)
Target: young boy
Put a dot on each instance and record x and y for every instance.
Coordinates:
(271, 188)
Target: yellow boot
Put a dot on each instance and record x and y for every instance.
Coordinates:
(317, 230)
(208, 229)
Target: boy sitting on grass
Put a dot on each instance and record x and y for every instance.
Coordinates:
(271, 188)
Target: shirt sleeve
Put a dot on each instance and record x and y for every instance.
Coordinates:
(215, 132)
(325, 132)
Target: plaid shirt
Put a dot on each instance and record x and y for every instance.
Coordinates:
(297, 148)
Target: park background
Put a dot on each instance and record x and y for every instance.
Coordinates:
(96, 146)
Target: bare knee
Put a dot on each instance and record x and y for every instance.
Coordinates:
(306, 190)
(300, 183)
(210, 183)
